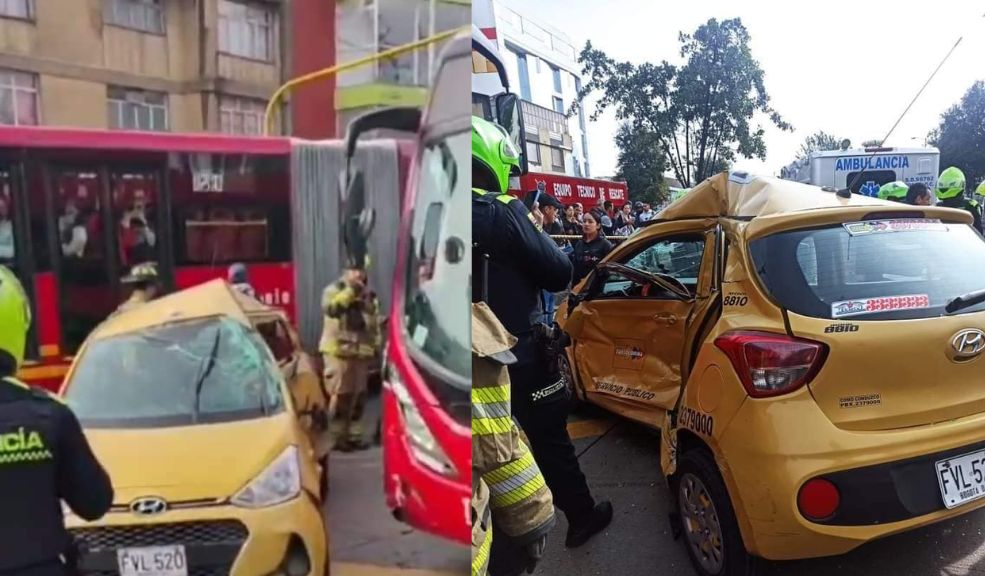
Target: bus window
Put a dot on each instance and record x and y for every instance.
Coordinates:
(8, 246)
(87, 293)
(135, 201)
(230, 208)
(14, 251)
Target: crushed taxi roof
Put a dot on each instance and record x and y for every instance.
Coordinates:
(744, 196)
(215, 298)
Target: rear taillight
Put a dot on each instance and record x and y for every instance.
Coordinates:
(772, 364)
(818, 499)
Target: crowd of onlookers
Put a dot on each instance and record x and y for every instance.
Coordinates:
(594, 227)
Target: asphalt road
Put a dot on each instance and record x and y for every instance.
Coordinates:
(622, 463)
(364, 538)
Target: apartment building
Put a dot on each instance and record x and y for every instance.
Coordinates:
(162, 65)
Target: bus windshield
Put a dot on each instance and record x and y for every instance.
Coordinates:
(439, 276)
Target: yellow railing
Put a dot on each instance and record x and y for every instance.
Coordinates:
(268, 116)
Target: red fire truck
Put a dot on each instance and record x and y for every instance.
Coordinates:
(570, 189)
(83, 206)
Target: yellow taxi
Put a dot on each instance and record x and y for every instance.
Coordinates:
(213, 467)
(813, 359)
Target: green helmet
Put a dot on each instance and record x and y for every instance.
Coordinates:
(493, 156)
(981, 189)
(893, 191)
(950, 183)
(15, 316)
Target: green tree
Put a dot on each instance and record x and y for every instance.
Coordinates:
(641, 165)
(819, 141)
(701, 112)
(961, 135)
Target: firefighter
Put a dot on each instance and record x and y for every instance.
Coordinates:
(509, 495)
(145, 282)
(950, 192)
(44, 459)
(893, 191)
(517, 261)
(350, 343)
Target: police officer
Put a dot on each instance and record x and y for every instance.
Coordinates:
(950, 193)
(350, 343)
(516, 260)
(145, 282)
(510, 498)
(893, 191)
(44, 458)
(980, 194)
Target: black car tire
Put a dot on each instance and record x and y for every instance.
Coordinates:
(697, 464)
(575, 396)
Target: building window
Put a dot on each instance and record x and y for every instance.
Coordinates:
(23, 9)
(557, 159)
(241, 115)
(19, 98)
(131, 109)
(246, 30)
(557, 79)
(143, 15)
(581, 112)
(558, 104)
(521, 66)
(533, 152)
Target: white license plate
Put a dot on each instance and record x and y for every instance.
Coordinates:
(153, 561)
(962, 478)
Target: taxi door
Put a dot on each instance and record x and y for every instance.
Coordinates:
(632, 321)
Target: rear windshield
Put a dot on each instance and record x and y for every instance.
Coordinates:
(876, 270)
(190, 373)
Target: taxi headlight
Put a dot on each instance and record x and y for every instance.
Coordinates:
(423, 445)
(278, 483)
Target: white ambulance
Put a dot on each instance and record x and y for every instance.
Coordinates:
(840, 168)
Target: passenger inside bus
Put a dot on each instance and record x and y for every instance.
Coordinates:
(139, 243)
(72, 228)
(6, 231)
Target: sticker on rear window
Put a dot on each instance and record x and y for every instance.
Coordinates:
(876, 305)
(884, 226)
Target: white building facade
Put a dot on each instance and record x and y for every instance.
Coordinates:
(542, 66)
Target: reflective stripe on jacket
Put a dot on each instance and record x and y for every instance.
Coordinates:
(521, 504)
(351, 322)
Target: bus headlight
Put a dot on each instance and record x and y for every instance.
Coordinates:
(423, 445)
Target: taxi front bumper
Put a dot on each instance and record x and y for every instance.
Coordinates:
(289, 538)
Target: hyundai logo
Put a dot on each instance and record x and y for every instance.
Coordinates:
(149, 506)
(968, 343)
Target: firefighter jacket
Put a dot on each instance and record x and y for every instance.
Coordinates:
(352, 324)
(520, 503)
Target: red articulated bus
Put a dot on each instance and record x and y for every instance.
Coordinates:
(426, 403)
(83, 206)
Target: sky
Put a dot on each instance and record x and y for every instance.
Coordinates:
(846, 67)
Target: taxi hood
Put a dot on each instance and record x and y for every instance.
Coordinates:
(190, 463)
